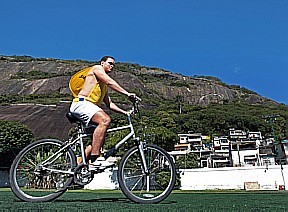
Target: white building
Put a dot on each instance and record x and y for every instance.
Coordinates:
(221, 152)
(189, 141)
(238, 149)
(193, 143)
(285, 147)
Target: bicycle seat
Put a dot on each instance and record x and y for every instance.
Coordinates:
(72, 119)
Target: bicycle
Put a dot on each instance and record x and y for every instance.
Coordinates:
(46, 168)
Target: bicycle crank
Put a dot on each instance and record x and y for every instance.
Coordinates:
(82, 175)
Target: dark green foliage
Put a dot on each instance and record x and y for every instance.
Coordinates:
(217, 119)
(53, 98)
(208, 77)
(162, 124)
(25, 58)
(13, 137)
(38, 75)
(188, 161)
(126, 67)
(180, 84)
(243, 89)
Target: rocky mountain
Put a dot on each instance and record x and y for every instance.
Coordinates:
(26, 76)
(53, 76)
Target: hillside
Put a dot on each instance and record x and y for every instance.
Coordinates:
(25, 75)
(25, 79)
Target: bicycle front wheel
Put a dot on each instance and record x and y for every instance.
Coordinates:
(42, 171)
(151, 187)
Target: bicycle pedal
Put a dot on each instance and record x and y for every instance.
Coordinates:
(98, 170)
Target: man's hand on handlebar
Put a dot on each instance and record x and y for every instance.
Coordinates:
(133, 97)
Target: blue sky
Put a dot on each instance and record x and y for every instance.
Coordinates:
(242, 42)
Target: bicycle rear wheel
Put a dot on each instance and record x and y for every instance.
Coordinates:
(151, 187)
(34, 181)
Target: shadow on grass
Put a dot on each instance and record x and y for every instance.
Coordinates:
(106, 199)
(110, 199)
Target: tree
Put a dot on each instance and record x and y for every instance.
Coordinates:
(13, 137)
(165, 119)
(165, 138)
(188, 161)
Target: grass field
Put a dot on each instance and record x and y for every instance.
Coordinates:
(81, 200)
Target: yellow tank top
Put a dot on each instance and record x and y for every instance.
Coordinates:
(96, 95)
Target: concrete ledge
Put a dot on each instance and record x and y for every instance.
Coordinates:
(268, 178)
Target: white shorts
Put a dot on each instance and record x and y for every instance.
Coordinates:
(84, 110)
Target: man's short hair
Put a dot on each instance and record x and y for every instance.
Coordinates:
(105, 58)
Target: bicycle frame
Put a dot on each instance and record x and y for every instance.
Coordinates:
(127, 137)
(82, 134)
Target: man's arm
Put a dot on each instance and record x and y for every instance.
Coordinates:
(103, 76)
(108, 102)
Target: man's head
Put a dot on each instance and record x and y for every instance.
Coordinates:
(108, 63)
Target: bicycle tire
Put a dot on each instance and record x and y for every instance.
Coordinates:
(147, 188)
(33, 184)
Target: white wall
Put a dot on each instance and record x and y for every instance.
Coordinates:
(268, 178)
(234, 177)
(105, 180)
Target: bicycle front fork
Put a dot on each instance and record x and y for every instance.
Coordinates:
(141, 147)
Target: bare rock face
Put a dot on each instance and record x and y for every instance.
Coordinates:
(45, 121)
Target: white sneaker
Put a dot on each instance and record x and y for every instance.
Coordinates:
(100, 163)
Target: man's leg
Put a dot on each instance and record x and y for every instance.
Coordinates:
(87, 154)
(103, 121)
(88, 151)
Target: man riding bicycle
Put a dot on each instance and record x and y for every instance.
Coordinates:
(86, 106)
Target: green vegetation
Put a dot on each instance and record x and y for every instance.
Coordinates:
(163, 122)
(38, 75)
(243, 89)
(26, 58)
(208, 77)
(46, 99)
(13, 137)
(127, 67)
(188, 161)
(180, 84)
(23, 58)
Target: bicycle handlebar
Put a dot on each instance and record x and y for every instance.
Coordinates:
(135, 102)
